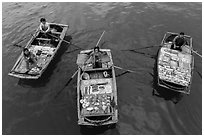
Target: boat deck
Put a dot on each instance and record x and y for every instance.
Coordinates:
(43, 55)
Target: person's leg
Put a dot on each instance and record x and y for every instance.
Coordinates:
(41, 35)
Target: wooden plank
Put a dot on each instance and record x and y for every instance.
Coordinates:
(45, 39)
(54, 32)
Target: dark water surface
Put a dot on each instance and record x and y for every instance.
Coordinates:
(28, 105)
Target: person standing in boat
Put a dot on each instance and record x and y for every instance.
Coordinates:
(179, 41)
(30, 59)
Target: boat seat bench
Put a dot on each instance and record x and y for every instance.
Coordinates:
(43, 39)
(55, 32)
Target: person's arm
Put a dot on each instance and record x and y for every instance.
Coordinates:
(41, 30)
(33, 57)
(174, 41)
(48, 29)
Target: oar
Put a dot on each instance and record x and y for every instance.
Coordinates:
(194, 51)
(66, 84)
(100, 38)
(64, 40)
(122, 74)
(59, 38)
(16, 44)
(19, 41)
(141, 48)
(126, 69)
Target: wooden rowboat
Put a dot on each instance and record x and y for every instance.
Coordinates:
(96, 90)
(43, 48)
(175, 68)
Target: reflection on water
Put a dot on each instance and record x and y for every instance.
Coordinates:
(30, 106)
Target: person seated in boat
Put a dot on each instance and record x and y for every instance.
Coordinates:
(95, 58)
(30, 59)
(96, 55)
(179, 41)
(45, 31)
(44, 28)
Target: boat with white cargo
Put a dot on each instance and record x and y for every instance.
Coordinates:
(96, 88)
(175, 67)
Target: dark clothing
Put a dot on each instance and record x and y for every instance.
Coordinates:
(31, 60)
(180, 41)
(45, 35)
(97, 62)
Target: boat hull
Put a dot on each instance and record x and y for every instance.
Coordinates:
(95, 119)
(173, 78)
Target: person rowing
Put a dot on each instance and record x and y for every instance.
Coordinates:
(45, 31)
(179, 41)
(96, 56)
(44, 27)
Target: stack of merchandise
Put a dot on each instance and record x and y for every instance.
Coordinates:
(174, 68)
(96, 104)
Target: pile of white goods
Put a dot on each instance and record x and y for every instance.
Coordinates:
(96, 96)
(43, 55)
(175, 67)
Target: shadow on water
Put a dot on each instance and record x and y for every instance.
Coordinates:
(162, 92)
(167, 94)
(143, 53)
(49, 71)
(90, 130)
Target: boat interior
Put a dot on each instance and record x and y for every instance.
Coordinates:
(43, 47)
(99, 74)
(169, 39)
(50, 39)
(96, 94)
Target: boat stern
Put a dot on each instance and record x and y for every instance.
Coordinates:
(98, 120)
(24, 76)
(173, 86)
